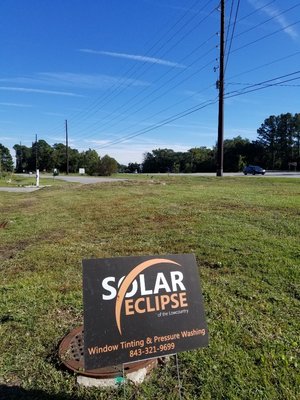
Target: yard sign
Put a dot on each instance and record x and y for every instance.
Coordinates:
(141, 307)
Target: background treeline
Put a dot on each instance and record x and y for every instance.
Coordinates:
(47, 158)
(277, 147)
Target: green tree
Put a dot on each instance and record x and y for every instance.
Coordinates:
(200, 159)
(90, 161)
(160, 160)
(133, 167)
(42, 153)
(267, 137)
(58, 157)
(196, 159)
(149, 163)
(279, 136)
(107, 166)
(74, 159)
(6, 161)
(236, 153)
(23, 155)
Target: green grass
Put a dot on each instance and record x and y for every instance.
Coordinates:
(13, 180)
(245, 235)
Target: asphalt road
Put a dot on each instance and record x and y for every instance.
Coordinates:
(270, 174)
(99, 179)
(85, 179)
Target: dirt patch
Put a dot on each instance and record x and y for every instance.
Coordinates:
(9, 251)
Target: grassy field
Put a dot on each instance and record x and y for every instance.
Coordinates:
(245, 235)
(13, 180)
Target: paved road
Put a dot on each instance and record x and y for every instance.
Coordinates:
(270, 174)
(99, 179)
(85, 179)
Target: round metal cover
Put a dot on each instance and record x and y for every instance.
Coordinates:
(71, 354)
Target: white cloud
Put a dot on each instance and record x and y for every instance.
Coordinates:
(41, 91)
(15, 105)
(90, 81)
(135, 57)
(69, 79)
(273, 12)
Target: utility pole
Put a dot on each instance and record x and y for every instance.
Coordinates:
(220, 86)
(67, 149)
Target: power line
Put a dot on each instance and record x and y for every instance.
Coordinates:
(162, 123)
(232, 34)
(212, 85)
(268, 20)
(229, 23)
(165, 74)
(244, 91)
(255, 11)
(96, 104)
(267, 82)
(128, 109)
(250, 88)
(164, 44)
(101, 99)
(265, 36)
(119, 89)
(265, 65)
(110, 125)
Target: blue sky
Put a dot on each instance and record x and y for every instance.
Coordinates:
(117, 69)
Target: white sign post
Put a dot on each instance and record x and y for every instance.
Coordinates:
(37, 176)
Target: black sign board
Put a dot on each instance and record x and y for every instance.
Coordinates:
(141, 307)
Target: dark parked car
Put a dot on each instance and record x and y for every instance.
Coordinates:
(254, 169)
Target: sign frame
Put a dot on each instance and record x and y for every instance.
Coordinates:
(141, 307)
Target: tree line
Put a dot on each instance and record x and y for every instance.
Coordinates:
(47, 158)
(277, 147)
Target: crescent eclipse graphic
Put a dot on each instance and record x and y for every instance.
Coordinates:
(128, 281)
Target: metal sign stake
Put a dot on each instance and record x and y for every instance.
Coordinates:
(178, 377)
(124, 382)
